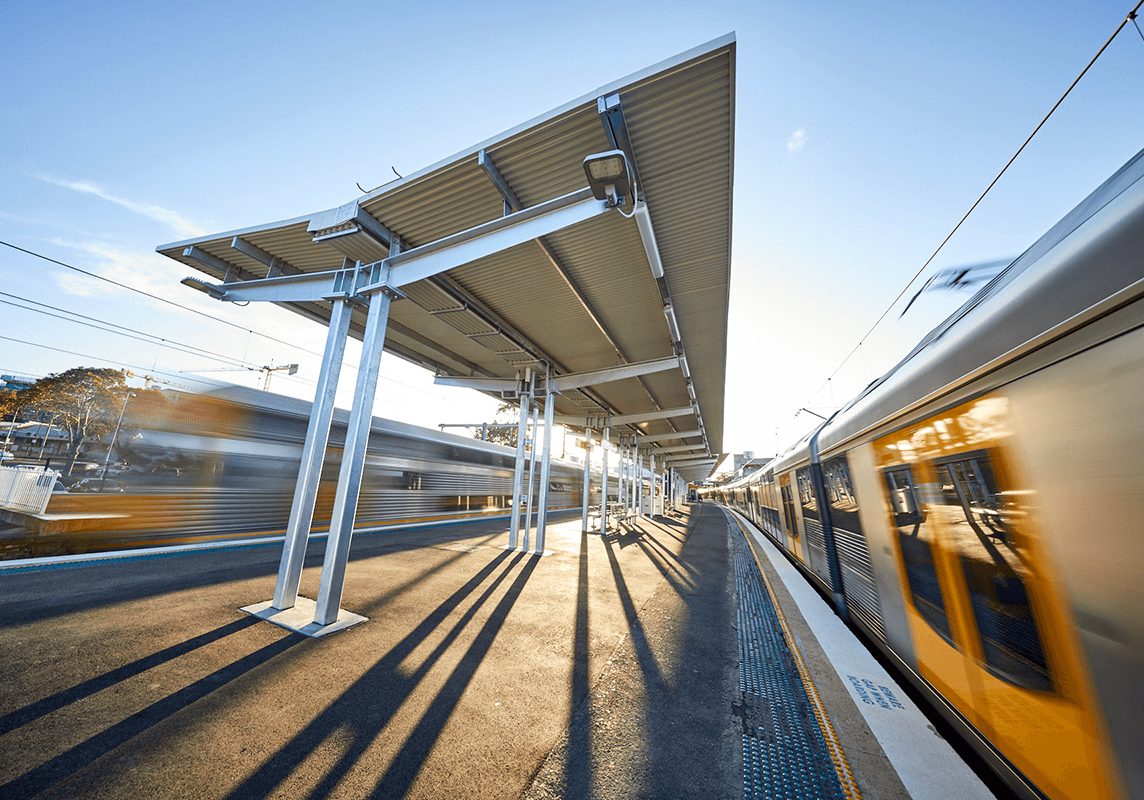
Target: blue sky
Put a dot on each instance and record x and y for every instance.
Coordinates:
(864, 132)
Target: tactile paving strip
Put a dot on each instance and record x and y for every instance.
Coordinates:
(785, 753)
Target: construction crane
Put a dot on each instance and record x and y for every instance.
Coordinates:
(291, 369)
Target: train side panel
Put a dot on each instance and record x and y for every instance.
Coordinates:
(1083, 450)
(873, 513)
(991, 632)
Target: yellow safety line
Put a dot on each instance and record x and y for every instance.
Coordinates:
(841, 765)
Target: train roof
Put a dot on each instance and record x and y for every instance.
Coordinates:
(1083, 266)
(255, 398)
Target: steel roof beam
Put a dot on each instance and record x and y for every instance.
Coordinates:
(510, 198)
(610, 421)
(349, 219)
(581, 379)
(666, 437)
(229, 270)
(513, 202)
(493, 237)
(408, 333)
(416, 264)
(611, 112)
(561, 383)
(274, 265)
(677, 463)
(682, 448)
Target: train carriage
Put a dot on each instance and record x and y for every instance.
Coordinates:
(976, 510)
(224, 464)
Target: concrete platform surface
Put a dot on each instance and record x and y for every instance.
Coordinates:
(606, 669)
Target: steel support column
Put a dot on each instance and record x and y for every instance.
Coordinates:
(313, 455)
(587, 492)
(654, 485)
(621, 487)
(518, 469)
(545, 467)
(604, 487)
(532, 423)
(639, 486)
(633, 486)
(353, 460)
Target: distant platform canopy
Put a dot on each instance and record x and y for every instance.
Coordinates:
(636, 284)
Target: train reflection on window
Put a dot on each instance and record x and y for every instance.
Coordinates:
(840, 495)
(979, 525)
(808, 500)
(806, 495)
(916, 537)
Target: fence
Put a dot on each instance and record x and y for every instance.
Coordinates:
(26, 489)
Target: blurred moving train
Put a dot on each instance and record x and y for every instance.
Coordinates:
(223, 464)
(978, 511)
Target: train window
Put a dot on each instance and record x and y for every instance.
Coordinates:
(840, 495)
(788, 511)
(806, 495)
(915, 536)
(977, 517)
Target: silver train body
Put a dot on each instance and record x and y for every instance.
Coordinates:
(977, 511)
(224, 464)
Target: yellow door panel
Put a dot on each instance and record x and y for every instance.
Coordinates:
(1005, 621)
(932, 604)
(790, 521)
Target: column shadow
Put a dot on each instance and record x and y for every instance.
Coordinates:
(368, 706)
(76, 758)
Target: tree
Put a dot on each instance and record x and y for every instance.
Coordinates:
(506, 413)
(86, 402)
(9, 407)
(9, 403)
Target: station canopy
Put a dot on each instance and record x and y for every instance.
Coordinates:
(630, 286)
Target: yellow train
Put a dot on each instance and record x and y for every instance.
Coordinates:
(223, 465)
(978, 512)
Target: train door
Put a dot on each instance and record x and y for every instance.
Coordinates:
(929, 575)
(756, 506)
(790, 521)
(987, 622)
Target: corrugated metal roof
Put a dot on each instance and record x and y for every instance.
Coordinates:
(582, 298)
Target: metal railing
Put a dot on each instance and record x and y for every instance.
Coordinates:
(26, 489)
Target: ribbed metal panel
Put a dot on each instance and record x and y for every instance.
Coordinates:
(466, 322)
(357, 246)
(816, 548)
(858, 579)
(431, 297)
(680, 118)
(682, 145)
(498, 343)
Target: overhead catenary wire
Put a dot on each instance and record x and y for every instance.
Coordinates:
(1131, 17)
(166, 342)
(156, 297)
(123, 330)
(86, 355)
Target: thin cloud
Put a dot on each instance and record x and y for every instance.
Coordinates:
(142, 270)
(167, 217)
(796, 141)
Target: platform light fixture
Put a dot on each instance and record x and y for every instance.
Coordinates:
(203, 286)
(608, 176)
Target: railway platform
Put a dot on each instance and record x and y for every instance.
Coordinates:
(663, 659)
